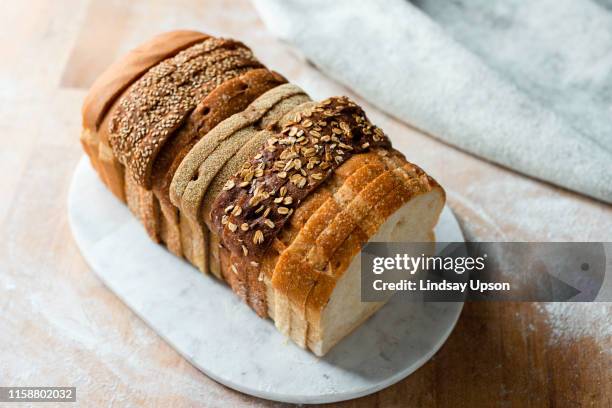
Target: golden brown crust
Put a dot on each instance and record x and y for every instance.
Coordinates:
(89, 142)
(121, 74)
(114, 173)
(335, 222)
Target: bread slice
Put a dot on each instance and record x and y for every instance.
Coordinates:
(207, 163)
(314, 299)
(314, 281)
(231, 97)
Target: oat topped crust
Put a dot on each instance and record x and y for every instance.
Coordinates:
(257, 201)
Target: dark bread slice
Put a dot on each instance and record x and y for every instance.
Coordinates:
(204, 161)
(230, 97)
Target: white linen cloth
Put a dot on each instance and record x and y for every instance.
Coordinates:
(524, 83)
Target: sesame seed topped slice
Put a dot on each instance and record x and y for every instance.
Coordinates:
(161, 100)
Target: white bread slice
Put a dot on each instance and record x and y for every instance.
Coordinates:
(413, 222)
(314, 299)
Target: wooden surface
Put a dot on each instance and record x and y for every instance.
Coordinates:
(60, 326)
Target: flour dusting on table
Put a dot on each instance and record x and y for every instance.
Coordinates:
(573, 321)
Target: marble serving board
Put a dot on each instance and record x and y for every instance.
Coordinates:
(202, 319)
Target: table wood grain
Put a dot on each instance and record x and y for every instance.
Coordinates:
(60, 326)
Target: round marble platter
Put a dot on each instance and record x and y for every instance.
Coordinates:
(202, 319)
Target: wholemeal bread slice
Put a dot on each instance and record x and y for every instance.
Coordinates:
(231, 97)
(211, 154)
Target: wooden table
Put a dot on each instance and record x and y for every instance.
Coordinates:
(61, 326)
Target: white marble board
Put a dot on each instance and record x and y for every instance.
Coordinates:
(222, 337)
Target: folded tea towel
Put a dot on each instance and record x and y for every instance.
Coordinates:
(524, 83)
